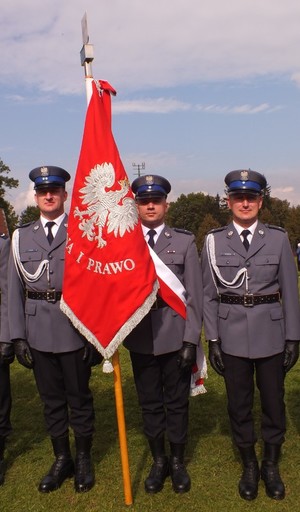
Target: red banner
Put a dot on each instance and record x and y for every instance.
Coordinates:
(110, 280)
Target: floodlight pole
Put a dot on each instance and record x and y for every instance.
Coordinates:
(139, 167)
(86, 57)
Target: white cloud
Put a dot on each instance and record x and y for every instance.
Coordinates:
(140, 44)
(150, 106)
(296, 78)
(238, 109)
(23, 199)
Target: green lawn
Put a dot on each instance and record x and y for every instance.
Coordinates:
(212, 461)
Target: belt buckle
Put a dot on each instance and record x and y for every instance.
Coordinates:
(248, 300)
(50, 295)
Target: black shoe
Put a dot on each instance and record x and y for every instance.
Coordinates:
(84, 473)
(179, 475)
(274, 485)
(2, 471)
(61, 469)
(248, 484)
(158, 473)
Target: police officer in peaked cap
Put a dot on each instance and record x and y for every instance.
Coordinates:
(252, 322)
(44, 338)
(163, 345)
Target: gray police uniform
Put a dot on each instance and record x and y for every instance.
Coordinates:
(57, 348)
(5, 391)
(177, 249)
(253, 326)
(262, 329)
(45, 327)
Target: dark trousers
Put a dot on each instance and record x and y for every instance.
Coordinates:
(63, 384)
(5, 400)
(239, 380)
(163, 394)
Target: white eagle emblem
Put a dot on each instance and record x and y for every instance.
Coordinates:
(105, 207)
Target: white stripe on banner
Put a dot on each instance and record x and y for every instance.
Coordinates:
(166, 275)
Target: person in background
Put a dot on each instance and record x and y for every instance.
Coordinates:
(252, 321)
(163, 345)
(298, 256)
(44, 338)
(6, 355)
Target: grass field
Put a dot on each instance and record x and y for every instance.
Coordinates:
(212, 461)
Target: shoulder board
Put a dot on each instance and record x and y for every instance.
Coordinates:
(20, 226)
(271, 226)
(215, 230)
(184, 231)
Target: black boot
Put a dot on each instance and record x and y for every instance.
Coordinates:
(61, 469)
(179, 475)
(160, 467)
(248, 484)
(2, 463)
(270, 472)
(84, 470)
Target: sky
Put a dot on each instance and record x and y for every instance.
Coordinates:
(203, 87)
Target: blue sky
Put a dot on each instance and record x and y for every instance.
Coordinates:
(204, 87)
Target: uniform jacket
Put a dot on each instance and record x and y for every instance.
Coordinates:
(41, 323)
(4, 255)
(261, 330)
(163, 330)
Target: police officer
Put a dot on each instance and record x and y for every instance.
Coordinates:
(251, 319)
(163, 345)
(6, 355)
(44, 338)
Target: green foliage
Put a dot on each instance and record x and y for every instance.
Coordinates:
(206, 225)
(213, 463)
(292, 225)
(31, 213)
(6, 182)
(189, 211)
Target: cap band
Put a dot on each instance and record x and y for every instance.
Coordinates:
(244, 185)
(148, 189)
(49, 180)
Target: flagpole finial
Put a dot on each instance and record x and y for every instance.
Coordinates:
(87, 56)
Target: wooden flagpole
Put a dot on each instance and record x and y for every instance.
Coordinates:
(87, 56)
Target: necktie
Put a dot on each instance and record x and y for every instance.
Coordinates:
(50, 236)
(244, 234)
(151, 233)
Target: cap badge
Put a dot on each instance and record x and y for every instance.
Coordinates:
(44, 171)
(149, 180)
(244, 175)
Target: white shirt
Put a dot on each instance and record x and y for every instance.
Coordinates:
(252, 228)
(55, 226)
(158, 230)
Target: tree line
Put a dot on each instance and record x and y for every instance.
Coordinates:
(197, 212)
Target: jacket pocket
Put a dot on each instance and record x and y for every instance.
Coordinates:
(30, 308)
